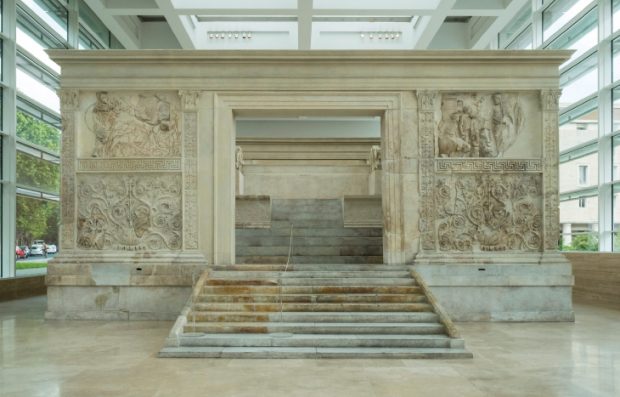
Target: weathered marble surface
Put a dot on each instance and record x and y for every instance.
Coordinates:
(467, 139)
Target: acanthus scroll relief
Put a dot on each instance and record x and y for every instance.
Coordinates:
(479, 125)
(127, 212)
(134, 125)
(489, 212)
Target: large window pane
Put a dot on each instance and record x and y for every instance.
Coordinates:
(616, 59)
(580, 37)
(616, 158)
(559, 13)
(37, 132)
(579, 126)
(579, 173)
(579, 81)
(51, 12)
(87, 42)
(33, 38)
(616, 109)
(37, 174)
(34, 89)
(36, 219)
(520, 19)
(616, 15)
(579, 222)
(523, 42)
(95, 25)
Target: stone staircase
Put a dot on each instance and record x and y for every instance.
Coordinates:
(313, 311)
(319, 236)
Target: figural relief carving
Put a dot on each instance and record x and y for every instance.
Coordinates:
(134, 125)
(478, 212)
(126, 212)
(479, 125)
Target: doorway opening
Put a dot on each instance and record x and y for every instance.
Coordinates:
(308, 190)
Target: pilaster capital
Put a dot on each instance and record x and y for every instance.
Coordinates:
(426, 100)
(189, 100)
(550, 100)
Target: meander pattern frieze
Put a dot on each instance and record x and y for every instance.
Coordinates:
(189, 100)
(426, 117)
(134, 125)
(127, 212)
(132, 165)
(486, 212)
(488, 165)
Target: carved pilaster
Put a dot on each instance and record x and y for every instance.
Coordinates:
(239, 158)
(69, 105)
(550, 108)
(426, 117)
(189, 106)
(374, 158)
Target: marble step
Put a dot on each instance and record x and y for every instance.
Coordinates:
(350, 329)
(309, 267)
(310, 274)
(323, 250)
(309, 289)
(316, 317)
(279, 229)
(322, 281)
(264, 241)
(313, 307)
(316, 340)
(314, 352)
(370, 259)
(312, 298)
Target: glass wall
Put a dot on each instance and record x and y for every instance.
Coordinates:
(589, 112)
(34, 112)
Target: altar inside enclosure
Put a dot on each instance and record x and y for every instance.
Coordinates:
(468, 159)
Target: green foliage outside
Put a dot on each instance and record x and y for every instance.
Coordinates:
(37, 132)
(30, 265)
(581, 242)
(37, 219)
(37, 173)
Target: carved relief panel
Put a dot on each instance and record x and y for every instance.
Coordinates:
(485, 212)
(482, 180)
(129, 212)
(490, 125)
(138, 124)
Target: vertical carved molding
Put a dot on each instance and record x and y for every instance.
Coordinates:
(426, 117)
(550, 109)
(69, 108)
(189, 106)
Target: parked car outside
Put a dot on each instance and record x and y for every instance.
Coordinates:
(36, 249)
(52, 249)
(26, 250)
(38, 242)
(19, 253)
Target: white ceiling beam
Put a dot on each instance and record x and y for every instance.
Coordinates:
(484, 38)
(133, 4)
(127, 36)
(304, 24)
(426, 27)
(180, 25)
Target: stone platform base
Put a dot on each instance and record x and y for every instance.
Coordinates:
(115, 303)
(121, 286)
(500, 287)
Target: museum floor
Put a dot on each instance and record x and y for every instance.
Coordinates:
(88, 358)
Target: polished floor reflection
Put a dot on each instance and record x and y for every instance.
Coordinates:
(88, 358)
